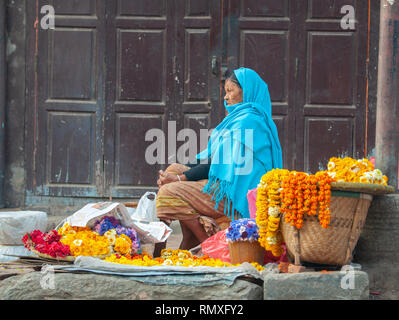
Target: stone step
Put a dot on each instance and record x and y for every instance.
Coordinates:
(334, 285)
(106, 287)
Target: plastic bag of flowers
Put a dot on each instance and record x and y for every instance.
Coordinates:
(106, 237)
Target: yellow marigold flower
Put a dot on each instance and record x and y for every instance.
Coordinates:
(123, 244)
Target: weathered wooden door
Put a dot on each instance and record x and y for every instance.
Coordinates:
(159, 57)
(66, 99)
(315, 69)
(110, 72)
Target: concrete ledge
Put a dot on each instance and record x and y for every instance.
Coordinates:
(351, 285)
(68, 286)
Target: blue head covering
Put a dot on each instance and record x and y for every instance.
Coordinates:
(243, 147)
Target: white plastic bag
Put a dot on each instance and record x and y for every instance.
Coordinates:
(148, 231)
(15, 224)
(146, 210)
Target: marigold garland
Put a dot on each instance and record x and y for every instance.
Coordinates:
(268, 210)
(305, 193)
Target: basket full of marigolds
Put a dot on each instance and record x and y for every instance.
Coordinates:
(318, 216)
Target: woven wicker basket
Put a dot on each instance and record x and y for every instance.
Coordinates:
(334, 245)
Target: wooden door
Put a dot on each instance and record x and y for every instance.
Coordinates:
(110, 72)
(66, 99)
(315, 70)
(159, 60)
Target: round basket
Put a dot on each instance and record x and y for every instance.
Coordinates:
(246, 251)
(334, 245)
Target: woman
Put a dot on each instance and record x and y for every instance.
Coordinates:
(244, 146)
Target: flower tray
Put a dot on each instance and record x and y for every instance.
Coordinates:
(67, 258)
(46, 256)
(369, 188)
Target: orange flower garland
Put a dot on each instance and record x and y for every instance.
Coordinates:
(324, 182)
(303, 194)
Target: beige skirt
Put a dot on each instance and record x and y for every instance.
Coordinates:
(185, 201)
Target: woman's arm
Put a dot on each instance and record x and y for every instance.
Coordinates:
(198, 172)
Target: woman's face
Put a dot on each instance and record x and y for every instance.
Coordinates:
(233, 93)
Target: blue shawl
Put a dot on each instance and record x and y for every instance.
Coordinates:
(243, 147)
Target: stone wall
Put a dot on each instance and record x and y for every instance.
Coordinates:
(378, 247)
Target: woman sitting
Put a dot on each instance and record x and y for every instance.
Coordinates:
(204, 197)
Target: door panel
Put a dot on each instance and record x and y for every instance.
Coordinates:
(141, 57)
(130, 167)
(77, 45)
(70, 137)
(322, 135)
(74, 7)
(331, 76)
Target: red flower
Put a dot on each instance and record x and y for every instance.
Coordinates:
(47, 243)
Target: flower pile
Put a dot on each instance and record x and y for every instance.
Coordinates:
(170, 257)
(111, 227)
(84, 242)
(243, 230)
(46, 243)
(355, 171)
(108, 236)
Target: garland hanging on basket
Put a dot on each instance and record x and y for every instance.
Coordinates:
(268, 204)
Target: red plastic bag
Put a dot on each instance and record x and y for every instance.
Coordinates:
(217, 247)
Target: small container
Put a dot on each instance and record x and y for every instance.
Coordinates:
(246, 251)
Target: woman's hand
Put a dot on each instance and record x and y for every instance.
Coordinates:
(165, 178)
